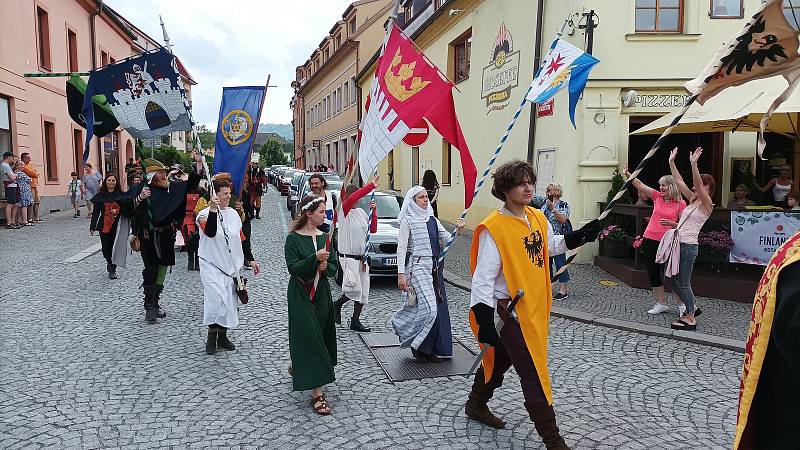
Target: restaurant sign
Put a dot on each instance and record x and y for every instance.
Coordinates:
(502, 73)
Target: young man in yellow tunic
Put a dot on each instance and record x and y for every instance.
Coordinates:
(511, 251)
(769, 394)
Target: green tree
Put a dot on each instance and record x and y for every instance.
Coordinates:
(271, 153)
(207, 137)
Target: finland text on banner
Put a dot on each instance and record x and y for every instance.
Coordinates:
(236, 130)
(565, 66)
(145, 94)
(407, 88)
(766, 46)
(757, 235)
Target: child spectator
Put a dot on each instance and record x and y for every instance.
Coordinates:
(76, 192)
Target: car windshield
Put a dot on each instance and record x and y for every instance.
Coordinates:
(388, 205)
(296, 178)
(334, 185)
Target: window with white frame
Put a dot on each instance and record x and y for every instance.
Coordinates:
(791, 9)
(662, 16)
(727, 9)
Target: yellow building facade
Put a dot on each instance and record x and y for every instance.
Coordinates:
(646, 55)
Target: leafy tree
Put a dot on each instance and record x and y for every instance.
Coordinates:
(271, 153)
(207, 137)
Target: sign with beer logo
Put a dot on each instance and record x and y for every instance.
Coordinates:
(502, 73)
(544, 109)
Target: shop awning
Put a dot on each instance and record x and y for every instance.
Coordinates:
(738, 108)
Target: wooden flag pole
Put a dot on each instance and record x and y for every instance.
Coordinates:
(255, 131)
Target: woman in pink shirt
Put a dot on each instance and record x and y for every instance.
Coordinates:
(667, 208)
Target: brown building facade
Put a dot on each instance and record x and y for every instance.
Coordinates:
(326, 99)
(51, 36)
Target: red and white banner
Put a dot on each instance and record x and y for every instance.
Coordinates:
(407, 88)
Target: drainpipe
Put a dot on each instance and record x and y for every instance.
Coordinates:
(93, 39)
(537, 56)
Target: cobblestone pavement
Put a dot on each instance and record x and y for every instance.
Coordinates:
(723, 318)
(81, 368)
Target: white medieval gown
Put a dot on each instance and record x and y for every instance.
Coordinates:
(217, 268)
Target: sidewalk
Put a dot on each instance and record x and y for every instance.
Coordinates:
(592, 299)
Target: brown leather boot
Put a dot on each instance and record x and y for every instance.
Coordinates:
(476, 407)
(544, 419)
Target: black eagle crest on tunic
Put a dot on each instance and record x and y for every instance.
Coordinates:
(754, 47)
(534, 244)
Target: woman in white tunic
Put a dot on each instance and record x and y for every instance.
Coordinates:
(423, 323)
(221, 257)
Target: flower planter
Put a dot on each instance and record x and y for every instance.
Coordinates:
(618, 249)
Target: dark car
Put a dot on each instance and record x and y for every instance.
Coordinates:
(294, 186)
(303, 189)
(285, 180)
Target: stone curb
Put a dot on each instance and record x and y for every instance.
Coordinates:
(624, 325)
(83, 254)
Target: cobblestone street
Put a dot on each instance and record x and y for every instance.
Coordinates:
(81, 368)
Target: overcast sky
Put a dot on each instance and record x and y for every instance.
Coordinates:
(237, 43)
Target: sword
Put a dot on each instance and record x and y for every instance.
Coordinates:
(511, 307)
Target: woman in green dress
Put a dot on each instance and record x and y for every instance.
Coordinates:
(312, 335)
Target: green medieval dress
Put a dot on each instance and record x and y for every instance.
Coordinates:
(312, 335)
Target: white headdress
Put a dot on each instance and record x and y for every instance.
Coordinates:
(411, 211)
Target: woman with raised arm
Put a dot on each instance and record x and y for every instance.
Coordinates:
(688, 228)
(780, 186)
(667, 208)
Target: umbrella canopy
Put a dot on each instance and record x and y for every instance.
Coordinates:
(738, 108)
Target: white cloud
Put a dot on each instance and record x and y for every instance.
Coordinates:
(237, 43)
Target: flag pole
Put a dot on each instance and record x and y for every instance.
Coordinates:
(499, 148)
(392, 20)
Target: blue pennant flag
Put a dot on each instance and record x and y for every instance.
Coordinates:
(144, 93)
(236, 129)
(565, 66)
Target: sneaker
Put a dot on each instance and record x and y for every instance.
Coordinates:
(681, 310)
(560, 296)
(658, 308)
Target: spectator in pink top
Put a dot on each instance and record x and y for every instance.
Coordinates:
(667, 208)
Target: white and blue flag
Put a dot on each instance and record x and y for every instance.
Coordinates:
(564, 66)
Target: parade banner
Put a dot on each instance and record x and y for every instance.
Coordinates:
(406, 88)
(565, 66)
(104, 120)
(145, 95)
(757, 235)
(236, 129)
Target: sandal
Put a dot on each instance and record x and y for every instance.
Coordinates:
(680, 324)
(320, 405)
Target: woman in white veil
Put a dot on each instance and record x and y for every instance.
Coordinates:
(423, 322)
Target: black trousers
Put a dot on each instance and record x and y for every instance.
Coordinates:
(512, 351)
(107, 243)
(655, 271)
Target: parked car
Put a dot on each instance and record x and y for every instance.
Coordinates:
(294, 186)
(272, 173)
(286, 180)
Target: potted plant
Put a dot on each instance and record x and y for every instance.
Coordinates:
(714, 246)
(615, 243)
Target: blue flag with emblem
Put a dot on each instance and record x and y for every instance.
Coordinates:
(565, 66)
(236, 129)
(145, 94)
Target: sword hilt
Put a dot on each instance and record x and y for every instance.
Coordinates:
(479, 358)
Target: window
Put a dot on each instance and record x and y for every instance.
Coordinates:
(5, 125)
(353, 92)
(51, 158)
(339, 99)
(337, 41)
(43, 35)
(353, 26)
(166, 139)
(659, 16)
(791, 9)
(346, 93)
(447, 169)
(72, 51)
(408, 12)
(437, 4)
(461, 52)
(727, 9)
(77, 149)
(103, 58)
